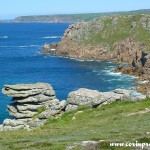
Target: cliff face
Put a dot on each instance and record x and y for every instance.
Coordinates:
(120, 38)
(105, 37)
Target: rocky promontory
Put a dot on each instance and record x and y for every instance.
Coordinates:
(117, 38)
(33, 104)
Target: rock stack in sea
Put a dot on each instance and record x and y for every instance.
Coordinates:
(32, 105)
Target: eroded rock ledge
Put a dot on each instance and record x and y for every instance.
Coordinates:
(33, 104)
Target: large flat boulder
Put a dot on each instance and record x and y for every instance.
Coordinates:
(26, 90)
(84, 96)
(94, 98)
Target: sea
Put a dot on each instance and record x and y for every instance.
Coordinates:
(21, 63)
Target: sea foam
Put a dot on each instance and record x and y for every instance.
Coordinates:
(4, 37)
(52, 37)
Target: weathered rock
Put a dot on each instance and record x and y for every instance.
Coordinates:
(48, 113)
(37, 99)
(22, 114)
(56, 107)
(70, 107)
(84, 97)
(32, 105)
(61, 105)
(88, 145)
(6, 128)
(26, 90)
(32, 110)
(35, 123)
(15, 107)
(13, 122)
(95, 98)
(16, 124)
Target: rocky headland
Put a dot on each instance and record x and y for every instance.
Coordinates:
(117, 38)
(33, 104)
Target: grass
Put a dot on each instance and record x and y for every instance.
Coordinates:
(39, 111)
(110, 122)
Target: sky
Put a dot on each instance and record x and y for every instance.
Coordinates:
(12, 8)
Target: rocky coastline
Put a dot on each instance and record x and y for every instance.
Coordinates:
(33, 104)
(76, 43)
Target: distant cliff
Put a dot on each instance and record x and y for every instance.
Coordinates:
(73, 17)
(57, 18)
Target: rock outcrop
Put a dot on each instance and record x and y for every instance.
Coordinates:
(32, 105)
(94, 98)
(86, 145)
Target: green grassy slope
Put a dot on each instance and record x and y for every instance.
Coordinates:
(118, 121)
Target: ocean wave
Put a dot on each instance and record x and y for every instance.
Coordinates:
(109, 62)
(111, 80)
(52, 37)
(4, 37)
(21, 46)
(135, 93)
(94, 71)
(110, 73)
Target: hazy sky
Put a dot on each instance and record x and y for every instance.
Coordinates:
(13, 8)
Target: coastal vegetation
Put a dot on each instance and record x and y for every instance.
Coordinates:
(119, 121)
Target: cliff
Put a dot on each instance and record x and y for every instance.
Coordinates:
(119, 38)
(102, 37)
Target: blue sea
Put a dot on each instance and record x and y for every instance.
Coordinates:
(20, 63)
